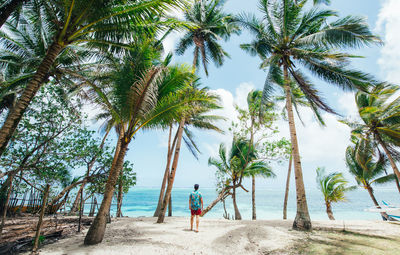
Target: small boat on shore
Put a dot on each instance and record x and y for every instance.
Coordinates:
(392, 211)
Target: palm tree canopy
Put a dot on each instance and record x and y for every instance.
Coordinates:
(211, 25)
(379, 112)
(290, 36)
(333, 185)
(366, 168)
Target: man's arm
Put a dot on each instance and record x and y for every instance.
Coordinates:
(190, 203)
(201, 199)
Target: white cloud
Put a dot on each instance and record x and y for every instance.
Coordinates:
(389, 23)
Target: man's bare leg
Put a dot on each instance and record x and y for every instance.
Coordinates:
(191, 222)
(197, 223)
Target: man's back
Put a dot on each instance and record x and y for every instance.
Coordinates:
(195, 199)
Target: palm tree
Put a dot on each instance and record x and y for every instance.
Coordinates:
(257, 169)
(380, 117)
(195, 116)
(366, 169)
(138, 96)
(211, 24)
(333, 187)
(104, 25)
(197, 119)
(232, 167)
(288, 37)
(298, 100)
(260, 117)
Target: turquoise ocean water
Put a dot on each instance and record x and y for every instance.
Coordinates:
(141, 201)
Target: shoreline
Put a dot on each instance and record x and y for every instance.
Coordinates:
(141, 235)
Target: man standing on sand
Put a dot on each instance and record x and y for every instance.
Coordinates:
(195, 206)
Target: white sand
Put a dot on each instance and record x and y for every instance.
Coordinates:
(216, 236)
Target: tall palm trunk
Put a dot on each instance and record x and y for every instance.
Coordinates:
(287, 188)
(15, 114)
(120, 194)
(371, 194)
(171, 177)
(253, 196)
(237, 212)
(97, 229)
(329, 210)
(40, 222)
(302, 220)
(392, 163)
(166, 172)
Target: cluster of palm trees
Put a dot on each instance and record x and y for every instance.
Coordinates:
(109, 52)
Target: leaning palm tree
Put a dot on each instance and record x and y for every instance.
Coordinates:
(138, 96)
(367, 170)
(198, 119)
(333, 187)
(195, 116)
(211, 24)
(105, 25)
(288, 38)
(380, 125)
(233, 166)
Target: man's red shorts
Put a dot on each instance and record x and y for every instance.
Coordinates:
(196, 212)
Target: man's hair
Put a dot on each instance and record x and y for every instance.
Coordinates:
(196, 186)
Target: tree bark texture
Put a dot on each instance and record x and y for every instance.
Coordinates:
(171, 177)
(285, 201)
(392, 163)
(302, 220)
(221, 196)
(329, 210)
(166, 172)
(120, 195)
(15, 114)
(5, 206)
(237, 212)
(253, 197)
(40, 222)
(371, 194)
(96, 231)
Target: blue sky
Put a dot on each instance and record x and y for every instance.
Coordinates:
(318, 146)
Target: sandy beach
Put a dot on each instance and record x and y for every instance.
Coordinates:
(219, 236)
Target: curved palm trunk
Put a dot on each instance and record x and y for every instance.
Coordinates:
(237, 212)
(120, 195)
(253, 196)
(392, 163)
(222, 195)
(371, 194)
(15, 114)
(329, 210)
(171, 177)
(287, 188)
(97, 229)
(302, 220)
(166, 172)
